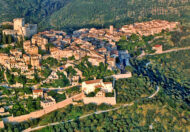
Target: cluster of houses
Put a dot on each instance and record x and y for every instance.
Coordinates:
(27, 62)
(150, 27)
(98, 44)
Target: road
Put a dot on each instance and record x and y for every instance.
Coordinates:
(97, 112)
(172, 50)
(157, 90)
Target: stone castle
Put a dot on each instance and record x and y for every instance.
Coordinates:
(21, 29)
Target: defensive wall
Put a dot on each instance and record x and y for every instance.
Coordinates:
(40, 113)
(100, 100)
(122, 76)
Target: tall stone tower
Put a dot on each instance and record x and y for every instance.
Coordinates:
(18, 23)
(111, 29)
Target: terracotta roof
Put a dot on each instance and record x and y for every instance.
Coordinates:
(107, 82)
(37, 91)
(157, 45)
(93, 81)
(98, 86)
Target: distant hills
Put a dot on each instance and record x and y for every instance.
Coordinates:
(73, 14)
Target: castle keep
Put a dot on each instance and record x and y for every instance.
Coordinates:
(21, 29)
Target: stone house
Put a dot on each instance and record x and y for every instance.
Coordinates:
(38, 93)
(40, 41)
(157, 48)
(48, 102)
(90, 86)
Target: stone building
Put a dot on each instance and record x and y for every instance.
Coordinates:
(40, 41)
(26, 59)
(38, 93)
(90, 86)
(26, 30)
(9, 32)
(157, 48)
(30, 48)
(48, 102)
(16, 52)
(35, 61)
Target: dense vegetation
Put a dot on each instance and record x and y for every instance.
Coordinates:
(158, 113)
(62, 81)
(20, 106)
(65, 14)
(133, 88)
(90, 72)
(32, 10)
(85, 13)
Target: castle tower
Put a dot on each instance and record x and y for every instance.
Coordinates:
(111, 29)
(18, 23)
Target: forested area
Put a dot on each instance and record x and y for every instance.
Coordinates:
(20, 106)
(133, 88)
(73, 14)
(102, 13)
(158, 114)
(90, 72)
(32, 10)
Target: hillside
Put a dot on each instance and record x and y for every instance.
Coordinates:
(32, 10)
(65, 14)
(85, 13)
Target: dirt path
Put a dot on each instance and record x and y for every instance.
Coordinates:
(172, 50)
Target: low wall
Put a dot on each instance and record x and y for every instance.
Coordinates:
(100, 100)
(122, 76)
(42, 112)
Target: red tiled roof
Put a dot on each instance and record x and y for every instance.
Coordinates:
(38, 91)
(107, 82)
(98, 86)
(157, 45)
(93, 81)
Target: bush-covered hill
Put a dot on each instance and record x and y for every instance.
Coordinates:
(64, 14)
(32, 10)
(85, 13)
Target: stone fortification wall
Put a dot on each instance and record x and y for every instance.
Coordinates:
(122, 76)
(100, 100)
(42, 112)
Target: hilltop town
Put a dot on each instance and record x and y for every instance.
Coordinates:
(49, 61)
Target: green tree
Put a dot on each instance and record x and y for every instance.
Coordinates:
(4, 39)
(9, 39)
